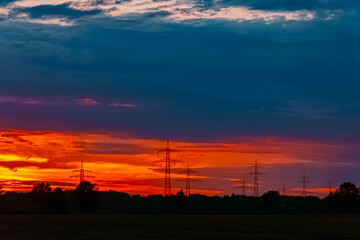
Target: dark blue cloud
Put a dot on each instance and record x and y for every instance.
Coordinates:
(6, 2)
(215, 81)
(62, 10)
(293, 4)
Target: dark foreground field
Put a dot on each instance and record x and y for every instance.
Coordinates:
(179, 227)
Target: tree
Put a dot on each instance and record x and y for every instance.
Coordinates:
(271, 195)
(2, 194)
(40, 194)
(347, 189)
(181, 200)
(346, 197)
(86, 196)
(58, 201)
(270, 200)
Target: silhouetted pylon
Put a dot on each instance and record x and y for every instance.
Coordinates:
(304, 182)
(256, 173)
(167, 161)
(82, 172)
(188, 179)
(283, 190)
(244, 186)
(330, 187)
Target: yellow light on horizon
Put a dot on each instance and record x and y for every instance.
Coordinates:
(10, 158)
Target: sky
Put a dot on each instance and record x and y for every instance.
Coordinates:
(227, 82)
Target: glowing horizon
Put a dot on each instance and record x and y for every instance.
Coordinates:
(125, 163)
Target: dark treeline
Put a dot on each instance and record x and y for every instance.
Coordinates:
(85, 198)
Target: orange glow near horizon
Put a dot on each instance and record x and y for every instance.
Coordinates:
(124, 163)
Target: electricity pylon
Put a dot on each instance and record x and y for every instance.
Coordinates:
(330, 187)
(167, 161)
(188, 179)
(256, 173)
(283, 190)
(304, 182)
(243, 187)
(82, 172)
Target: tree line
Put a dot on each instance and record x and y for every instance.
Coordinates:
(86, 199)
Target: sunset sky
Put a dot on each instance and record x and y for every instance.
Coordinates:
(226, 81)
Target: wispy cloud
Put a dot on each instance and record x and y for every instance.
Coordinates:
(87, 102)
(63, 22)
(176, 11)
(117, 104)
(5, 99)
(4, 12)
(84, 102)
(188, 10)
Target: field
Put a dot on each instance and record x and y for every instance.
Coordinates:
(135, 227)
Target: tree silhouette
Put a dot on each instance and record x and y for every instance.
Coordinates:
(40, 194)
(347, 189)
(271, 195)
(181, 200)
(346, 197)
(2, 194)
(86, 196)
(270, 200)
(58, 201)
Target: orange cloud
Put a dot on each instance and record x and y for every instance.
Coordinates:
(125, 163)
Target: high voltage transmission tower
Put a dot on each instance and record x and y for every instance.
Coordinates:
(330, 187)
(304, 182)
(167, 161)
(255, 172)
(188, 179)
(82, 172)
(244, 186)
(283, 190)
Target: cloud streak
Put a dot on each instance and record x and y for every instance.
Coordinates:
(187, 10)
(63, 22)
(171, 10)
(83, 102)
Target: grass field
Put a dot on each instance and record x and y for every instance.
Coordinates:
(95, 226)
